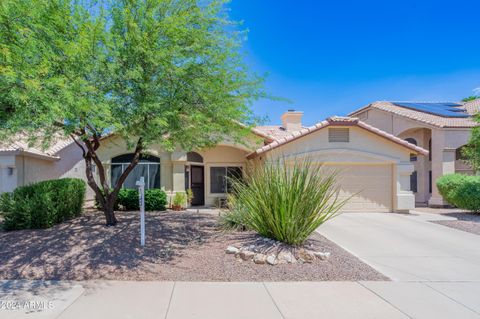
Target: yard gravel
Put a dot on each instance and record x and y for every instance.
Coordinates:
(466, 221)
(180, 246)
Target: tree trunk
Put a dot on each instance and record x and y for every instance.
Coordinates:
(105, 195)
(109, 211)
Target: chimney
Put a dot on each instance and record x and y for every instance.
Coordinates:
(292, 120)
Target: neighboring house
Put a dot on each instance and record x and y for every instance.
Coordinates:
(23, 164)
(374, 166)
(441, 127)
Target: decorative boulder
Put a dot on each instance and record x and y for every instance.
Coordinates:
(246, 254)
(305, 256)
(272, 260)
(285, 257)
(232, 250)
(259, 258)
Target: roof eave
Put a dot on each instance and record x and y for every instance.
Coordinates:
(414, 149)
(30, 154)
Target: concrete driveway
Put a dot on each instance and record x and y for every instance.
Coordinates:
(408, 247)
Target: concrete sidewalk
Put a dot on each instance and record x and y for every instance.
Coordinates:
(113, 299)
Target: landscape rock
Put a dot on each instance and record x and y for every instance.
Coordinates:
(232, 250)
(285, 257)
(321, 255)
(246, 254)
(306, 256)
(272, 260)
(259, 259)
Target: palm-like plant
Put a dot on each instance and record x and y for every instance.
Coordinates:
(287, 200)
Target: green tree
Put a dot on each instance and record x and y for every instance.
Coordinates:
(471, 151)
(153, 71)
(470, 98)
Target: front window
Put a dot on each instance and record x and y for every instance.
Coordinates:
(220, 178)
(148, 167)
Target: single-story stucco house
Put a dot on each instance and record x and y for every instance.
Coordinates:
(375, 157)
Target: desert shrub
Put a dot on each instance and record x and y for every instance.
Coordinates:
(286, 202)
(448, 184)
(179, 199)
(462, 191)
(128, 198)
(5, 202)
(43, 204)
(155, 199)
(235, 218)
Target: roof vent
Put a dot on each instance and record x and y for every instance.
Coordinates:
(338, 135)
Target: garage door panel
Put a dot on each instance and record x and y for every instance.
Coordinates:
(369, 186)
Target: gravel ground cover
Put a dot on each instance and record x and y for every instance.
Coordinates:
(181, 246)
(466, 221)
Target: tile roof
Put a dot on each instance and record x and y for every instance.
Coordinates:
(272, 131)
(472, 107)
(336, 121)
(427, 118)
(20, 144)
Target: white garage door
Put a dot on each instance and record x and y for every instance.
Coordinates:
(370, 185)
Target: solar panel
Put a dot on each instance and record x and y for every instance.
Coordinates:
(445, 109)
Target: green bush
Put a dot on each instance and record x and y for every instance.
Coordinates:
(448, 184)
(235, 218)
(155, 199)
(43, 204)
(285, 202)
(462, 191)
(128, 198)
(180, 199)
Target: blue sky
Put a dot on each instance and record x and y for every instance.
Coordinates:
(331, 57)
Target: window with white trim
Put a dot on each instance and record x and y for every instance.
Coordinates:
(220, 178)
(148, 167)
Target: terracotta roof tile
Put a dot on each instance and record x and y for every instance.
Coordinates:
(21, 144)
(273, 131)
(472, 107)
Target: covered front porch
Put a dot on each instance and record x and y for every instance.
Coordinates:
(445, 157)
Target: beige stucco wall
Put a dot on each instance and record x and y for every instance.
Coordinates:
(366, 151)
(28, 169)
(8, 182)
(444, 143)
(422, 165)
(172, 174)
(221, 156)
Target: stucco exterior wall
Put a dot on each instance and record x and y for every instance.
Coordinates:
(172, 164)
(8, 173)
(361, 141)
(387, 164)
(28, 170)
(444, 143)
(221, 156)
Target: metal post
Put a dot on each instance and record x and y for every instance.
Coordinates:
(141, 198)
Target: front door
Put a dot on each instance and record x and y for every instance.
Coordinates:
(197, 185)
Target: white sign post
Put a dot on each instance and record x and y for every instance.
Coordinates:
(141, 198)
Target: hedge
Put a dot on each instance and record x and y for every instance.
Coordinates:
(43, 204)
(462, 191)
(155, 199)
